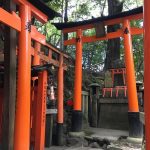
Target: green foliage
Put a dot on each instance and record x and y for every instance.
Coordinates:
(94, 55)
(55, 4)
(81, 12)
(137, 42)
(52, 34)
(130, 4)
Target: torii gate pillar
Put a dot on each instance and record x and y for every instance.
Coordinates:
(22, 119)
(147, 71)
(77, 108)
(135, 126)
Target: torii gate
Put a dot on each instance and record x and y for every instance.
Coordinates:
(147, 71)
(126, 32)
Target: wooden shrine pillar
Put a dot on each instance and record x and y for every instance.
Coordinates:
(135, 126)
(147, 71)
(41, 111)
(36, 61)
(77, 106)
(60, 104)
(22, 120)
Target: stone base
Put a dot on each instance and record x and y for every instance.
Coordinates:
(135, 126)
(60, 135)
(77, 121)
(48, 130)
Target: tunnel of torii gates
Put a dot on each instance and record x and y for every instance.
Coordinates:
(126, 32)
(19, 138)
(23, 120)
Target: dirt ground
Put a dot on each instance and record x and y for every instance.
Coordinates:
(113, 140)
(117, 146)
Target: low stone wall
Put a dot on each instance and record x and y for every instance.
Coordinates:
(113, 113)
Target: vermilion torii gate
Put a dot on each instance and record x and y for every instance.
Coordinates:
(126, 31)
(147, 71)
(27, 32)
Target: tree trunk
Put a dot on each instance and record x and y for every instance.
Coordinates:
(113, 46)
(65, 21)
